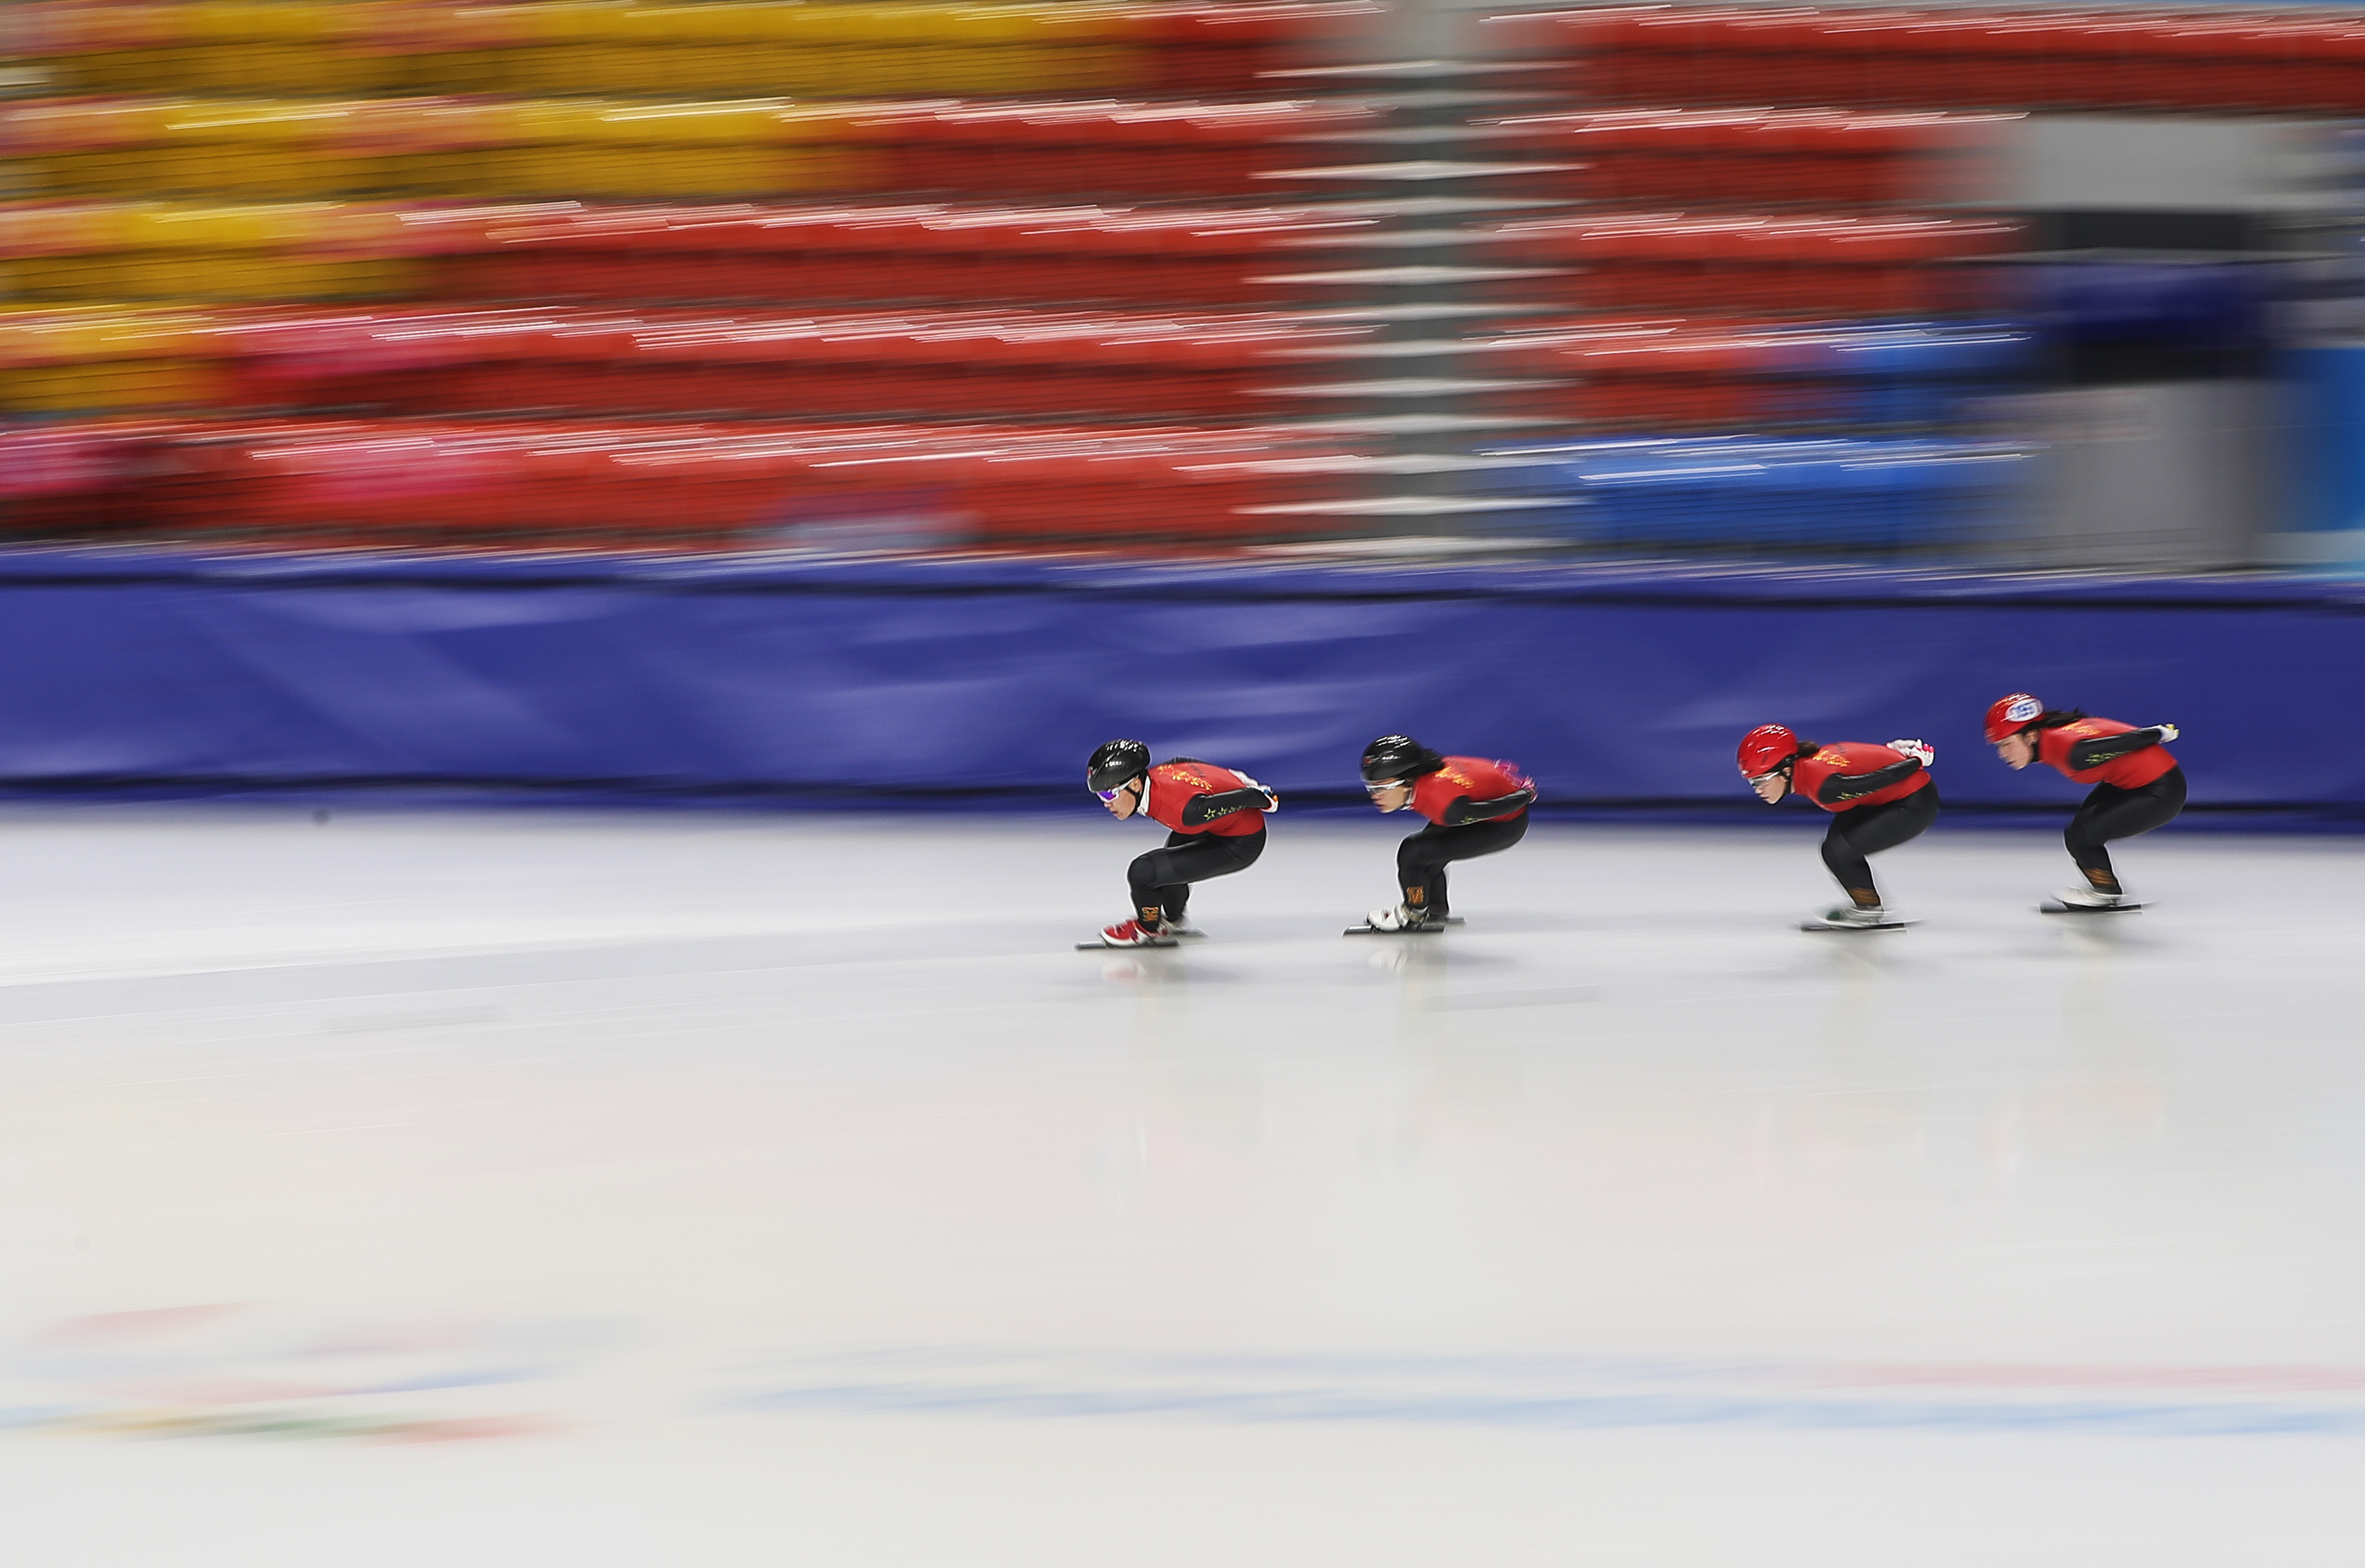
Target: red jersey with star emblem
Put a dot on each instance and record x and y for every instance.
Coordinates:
(1849, 760)
(2132, 771)
(1466, 777)
(1173, 785)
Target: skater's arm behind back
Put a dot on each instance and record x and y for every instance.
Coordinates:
(2096, 750)
(1201, 810)
(1465, 811)
(1841, 788)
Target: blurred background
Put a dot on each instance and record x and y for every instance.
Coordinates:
(1975, 286)
(1662, 304)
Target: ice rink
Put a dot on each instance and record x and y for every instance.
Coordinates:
(694, 1190)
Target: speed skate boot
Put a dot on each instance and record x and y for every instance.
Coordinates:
(1854, 917)
(1133, 934)
(1402, 917)
(2089, 900)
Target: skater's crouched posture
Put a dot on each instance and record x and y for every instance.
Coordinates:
(1473, 806)
(1879, 797)
(2137, 785)
(1218, 818)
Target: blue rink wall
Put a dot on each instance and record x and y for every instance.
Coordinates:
(1616, 686)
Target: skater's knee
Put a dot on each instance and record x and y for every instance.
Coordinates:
(1146, 876)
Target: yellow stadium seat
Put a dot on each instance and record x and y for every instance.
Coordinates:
(246, 22)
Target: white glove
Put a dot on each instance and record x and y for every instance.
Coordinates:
(2167, 733)
(1922, 752)
(1253, 784)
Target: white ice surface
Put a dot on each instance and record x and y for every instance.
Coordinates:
(787, 1191)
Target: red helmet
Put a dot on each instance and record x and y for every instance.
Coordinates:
(2007, 716)
(1765, 748)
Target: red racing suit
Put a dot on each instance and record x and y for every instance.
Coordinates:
(2130, 769)
(1856, 773)
(1172, 786)
(1470, 778)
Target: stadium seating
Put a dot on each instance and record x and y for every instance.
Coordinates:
(2297, 62)
(320, 47)
(392, 484)
(1716, 375)
(1201, 256)
(1757, 158)
(1860, 496)
(563, 252)
(631, 149)
(296, 273)
(916, 365)
(1688, 263)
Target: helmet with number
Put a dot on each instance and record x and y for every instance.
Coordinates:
(1767, 749)
(1398, 756)
(2007, 716)
(1114, 765)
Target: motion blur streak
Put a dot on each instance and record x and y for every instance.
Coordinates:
(1383, 258)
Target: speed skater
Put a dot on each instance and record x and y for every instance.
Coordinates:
(1473, 806)
(1216, 816)
(2137, 785)
(1879, 797)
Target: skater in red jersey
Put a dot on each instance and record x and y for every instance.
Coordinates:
(1473, 806)
(1218, 818)
(1879, 797)
(2137, 785)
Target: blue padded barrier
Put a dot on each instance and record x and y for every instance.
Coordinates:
(1614, 684)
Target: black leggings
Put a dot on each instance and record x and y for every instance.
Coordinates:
(1421, 860)
(2111, 812)
(1161, 880)
(1861, 831)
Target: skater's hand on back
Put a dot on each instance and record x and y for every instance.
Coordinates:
(1922, 752)
(1247, 782)
(2167, 733)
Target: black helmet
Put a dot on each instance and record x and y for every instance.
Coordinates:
(1116, 764)
(1398, 756)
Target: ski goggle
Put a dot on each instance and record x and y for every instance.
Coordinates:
(1108, 795)
(1382, 787)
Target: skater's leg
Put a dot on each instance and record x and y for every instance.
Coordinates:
(2085, 842)
(1855, 837)
(2111, 813)
(1204, 857)
(1148, 877)
(1421, 860)
(1160, 880)
(1421, 865)
(1175, 897)
(1848, 866)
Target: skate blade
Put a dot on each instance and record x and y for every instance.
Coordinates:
(2055, 906)
(1836, 926)
(1125, 946)
(1415, 931)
